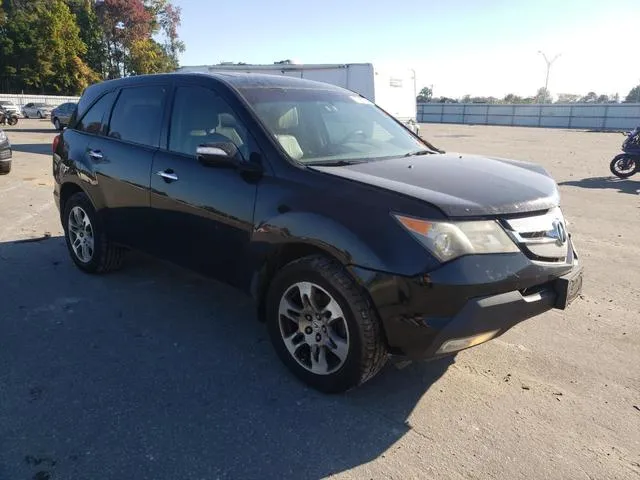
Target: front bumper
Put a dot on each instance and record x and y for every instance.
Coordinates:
(467, 301)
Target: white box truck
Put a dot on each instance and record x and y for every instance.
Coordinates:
(392, 89)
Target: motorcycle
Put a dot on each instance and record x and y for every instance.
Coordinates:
(7, 118)
(626, 164)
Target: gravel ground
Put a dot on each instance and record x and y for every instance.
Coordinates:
(156, 373)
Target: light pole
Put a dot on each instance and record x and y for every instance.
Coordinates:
(549, 63)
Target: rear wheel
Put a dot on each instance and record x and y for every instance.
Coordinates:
(322, 326)
(87, 241)
(623, 165)
(12, 120)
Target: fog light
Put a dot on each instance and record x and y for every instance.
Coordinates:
(456, 344)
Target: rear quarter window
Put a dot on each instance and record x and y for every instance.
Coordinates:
(94, 120)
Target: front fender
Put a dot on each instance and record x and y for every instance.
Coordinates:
(321, 232)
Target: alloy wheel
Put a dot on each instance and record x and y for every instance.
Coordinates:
(313, 328)
(81, 235)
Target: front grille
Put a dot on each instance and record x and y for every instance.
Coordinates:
(5, 154)
(542, 237)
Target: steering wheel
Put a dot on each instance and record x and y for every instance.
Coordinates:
(353, 133)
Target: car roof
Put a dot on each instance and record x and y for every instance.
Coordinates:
(239, 80)
(265, 80)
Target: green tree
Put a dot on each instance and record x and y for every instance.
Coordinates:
(41, 48)
(90, 33)
(425, 95)
(567, 98)
(165, 21)
(64, 70)
(512, 98)
(590, 97)
(543, 96)
(634, 95)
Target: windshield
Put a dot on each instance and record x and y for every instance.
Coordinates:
(39, 105)
(324, 126)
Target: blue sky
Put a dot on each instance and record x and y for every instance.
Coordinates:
(460, 46)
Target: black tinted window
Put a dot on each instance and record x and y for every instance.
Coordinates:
(94, 120)
(137, 115)
(200, 116)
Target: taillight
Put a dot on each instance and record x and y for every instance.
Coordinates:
(56, 142)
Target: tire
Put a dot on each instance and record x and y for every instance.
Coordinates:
(104, 256)
(12, 121)
(57, 124)
(358, 327)
(5, 168)
(627, 173)
(40, 115)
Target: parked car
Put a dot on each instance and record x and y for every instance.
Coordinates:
(5, 153)
(9, 107)
(36, 110)
(61, 115)
(356, 238)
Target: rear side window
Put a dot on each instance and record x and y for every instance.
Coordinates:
(95, 119)
(137, 115)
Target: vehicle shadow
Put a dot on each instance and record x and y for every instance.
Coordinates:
(154, 372)
(38, 148)
(623, 186)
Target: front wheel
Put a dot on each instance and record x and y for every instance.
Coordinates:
(87, 241)
(322, 326)
(57, 125)
(40, 115)
(12, 121)
(623, 165)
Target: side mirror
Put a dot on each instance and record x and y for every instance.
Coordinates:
(221, 154)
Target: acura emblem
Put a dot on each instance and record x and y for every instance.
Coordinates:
(558, 232)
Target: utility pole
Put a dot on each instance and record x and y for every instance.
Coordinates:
(549, 63)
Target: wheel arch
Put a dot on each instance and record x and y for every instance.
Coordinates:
(287, 253)
(70, 188)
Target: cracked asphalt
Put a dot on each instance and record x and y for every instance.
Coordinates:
(157, 373)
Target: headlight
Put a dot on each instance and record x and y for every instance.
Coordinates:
(449, 240)
(3, 136)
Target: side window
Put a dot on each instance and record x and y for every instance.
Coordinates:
(137, 115)
(200, 116)
(95, 118)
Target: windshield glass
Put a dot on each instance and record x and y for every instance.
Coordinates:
(39, 105)
(330, 126)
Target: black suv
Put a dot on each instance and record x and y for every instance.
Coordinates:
(356, 238)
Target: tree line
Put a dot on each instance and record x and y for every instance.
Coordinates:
(542, 96)
(59, 47)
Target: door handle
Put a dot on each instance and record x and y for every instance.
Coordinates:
(168, 175)
(95, 154)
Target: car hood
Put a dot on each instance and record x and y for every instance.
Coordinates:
(459, 184)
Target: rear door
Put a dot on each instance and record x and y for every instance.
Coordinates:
(203, 215)
(123, 157)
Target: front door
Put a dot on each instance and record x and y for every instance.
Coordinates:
(203, 215)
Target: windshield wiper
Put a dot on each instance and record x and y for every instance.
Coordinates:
(333, 163)
(419, 152)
